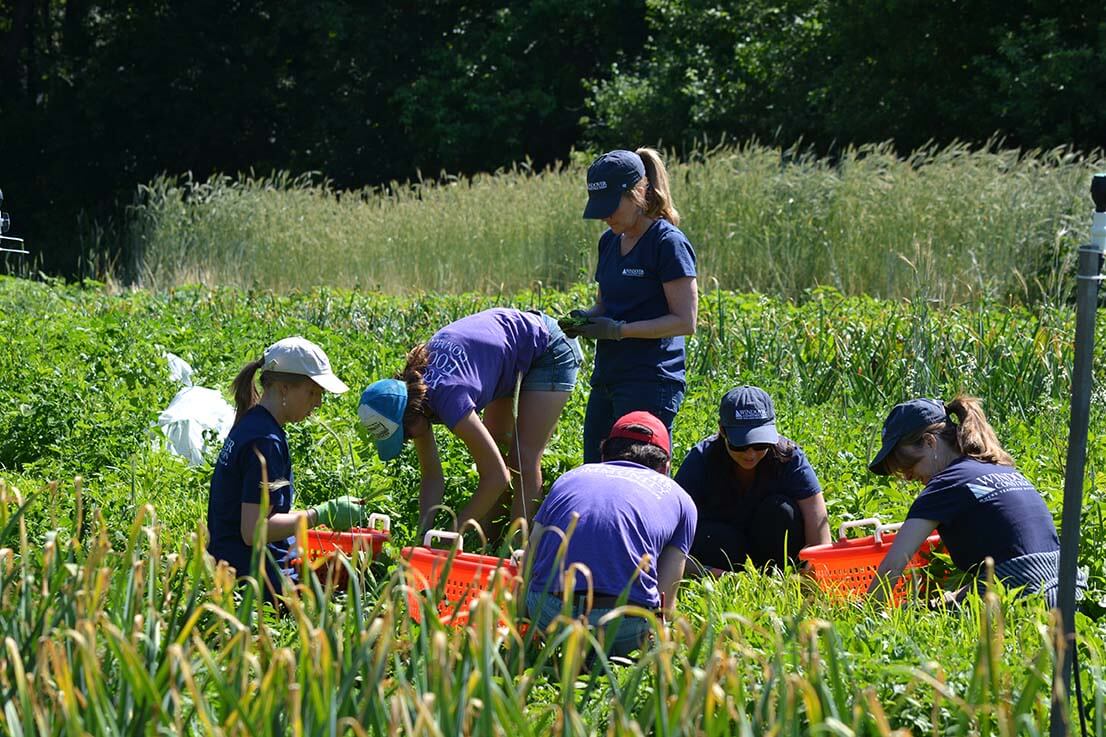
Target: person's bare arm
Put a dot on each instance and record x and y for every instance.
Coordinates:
(909, 538)
(683, 312)
(279, 525)
(815, 520)
(670, 570)
(494, 476)
(432, 479)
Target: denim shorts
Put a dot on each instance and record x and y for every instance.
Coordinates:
(555, 370)
(622, 636)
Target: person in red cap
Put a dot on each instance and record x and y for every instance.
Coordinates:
(623, 519)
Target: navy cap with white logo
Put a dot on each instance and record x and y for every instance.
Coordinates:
(903, 420)
(748, 417)
(609, 177)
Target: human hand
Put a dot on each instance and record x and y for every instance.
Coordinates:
(602, 328)
(340, 513)
(572, 323)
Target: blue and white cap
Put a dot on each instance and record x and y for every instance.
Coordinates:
(381, 413)
(905, 419)
(748, 417)
(609, 177)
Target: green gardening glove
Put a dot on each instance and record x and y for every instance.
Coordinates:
(340, 513)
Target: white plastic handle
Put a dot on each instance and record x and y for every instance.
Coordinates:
(874, 521)
(439, 535)
(384, 520)
(889, 527)
(516, 556)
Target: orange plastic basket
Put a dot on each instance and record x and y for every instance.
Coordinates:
(467, 576)
(323, 545)
(845, 569)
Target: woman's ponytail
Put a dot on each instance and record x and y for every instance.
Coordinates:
(657, 196)
(245, 390)
(412, 375)
(974, 435)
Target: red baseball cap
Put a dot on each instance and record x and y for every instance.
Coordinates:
(644, 427)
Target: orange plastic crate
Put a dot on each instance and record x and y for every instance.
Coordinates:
(323, 545)
(467, 576)
(845, 569)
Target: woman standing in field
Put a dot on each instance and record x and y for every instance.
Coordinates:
(471, 366)
(757, 495)
(973, 497)
(647, 299)
(294, 374)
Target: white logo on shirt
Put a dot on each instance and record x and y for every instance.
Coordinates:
(226, 452)
(446, 359)
(633, 272)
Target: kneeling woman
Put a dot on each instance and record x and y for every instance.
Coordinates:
(973, 497)
(470, 366)
(757, 495)
(294, 374)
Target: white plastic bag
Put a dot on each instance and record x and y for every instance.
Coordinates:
(179, 370)
(193, 410)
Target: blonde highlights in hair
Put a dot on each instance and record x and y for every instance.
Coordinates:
(652, 195)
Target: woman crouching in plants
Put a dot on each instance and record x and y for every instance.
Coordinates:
(294, 374)
(470, 366)
(981, 506)
(757, 495)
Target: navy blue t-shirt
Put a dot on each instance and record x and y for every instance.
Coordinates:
(632, 289)
(237, 481)
(708, 475)
(986, 509)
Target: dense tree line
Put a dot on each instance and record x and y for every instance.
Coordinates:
(96, 97)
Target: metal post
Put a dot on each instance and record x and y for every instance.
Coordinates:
(1086, 301)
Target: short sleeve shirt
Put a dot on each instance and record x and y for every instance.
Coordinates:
(476, 360)
(707, 474)
(632, 289)
(986, 509)
(237, 481)
(626, 511)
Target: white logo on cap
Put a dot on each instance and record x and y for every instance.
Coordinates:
(747, 414)
(376, 425)
(592, 186)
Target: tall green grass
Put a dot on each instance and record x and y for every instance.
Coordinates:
(152, 637)
(951, 223)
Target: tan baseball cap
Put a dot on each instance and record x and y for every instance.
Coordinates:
(298, 355)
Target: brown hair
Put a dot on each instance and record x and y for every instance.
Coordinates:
(245, 391)
(412, 375)
(971, 435)
(652, 194)
(635, 451)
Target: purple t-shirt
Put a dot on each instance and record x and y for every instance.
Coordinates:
(626, 511)
(476, 359)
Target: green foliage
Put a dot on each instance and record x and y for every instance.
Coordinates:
(835, 74)
(114, 621)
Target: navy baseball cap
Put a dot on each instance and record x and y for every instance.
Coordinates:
(381, 413)
(748, 417)
(906, 418)
(609, 177)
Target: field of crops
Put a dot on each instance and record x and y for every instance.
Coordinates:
(114, 622)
